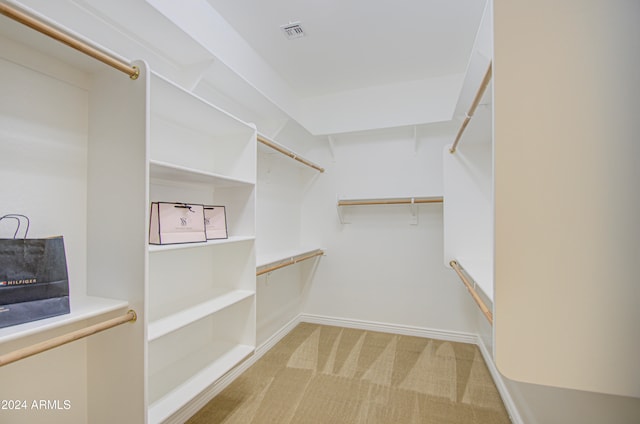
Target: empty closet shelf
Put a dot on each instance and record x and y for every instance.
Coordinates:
(390, 201)
(187, 315)
(173, 386)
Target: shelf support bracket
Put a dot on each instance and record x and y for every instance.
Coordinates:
(331, 147)
(414, 213)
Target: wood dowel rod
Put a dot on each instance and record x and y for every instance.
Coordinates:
(474, 105)
(481, 90)
(483, 307)
(459, 135)
(389, 201)
(292, 261)
(289, 153)
(56, 34)
(65, 338)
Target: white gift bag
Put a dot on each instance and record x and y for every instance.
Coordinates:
(173, 223)
(215, 220)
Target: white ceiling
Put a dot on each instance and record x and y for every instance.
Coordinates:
(364, 64)
(353, 44)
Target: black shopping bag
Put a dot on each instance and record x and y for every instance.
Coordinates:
(33, 277)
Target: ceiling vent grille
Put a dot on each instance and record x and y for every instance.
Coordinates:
(292, 30)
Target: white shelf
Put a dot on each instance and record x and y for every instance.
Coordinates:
(198, 245)
(82, 308)
(411, 201)
(171, 172)
(204, 367)
(186, 316)
(481, 272)
(176, 104)
(283, 255)
(407, 200)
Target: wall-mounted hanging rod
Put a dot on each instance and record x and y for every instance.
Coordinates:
(293, 260)
(393, 201)
(25, 352)
(472, 109)
(288, 152)
(50, 31)
(483, 307)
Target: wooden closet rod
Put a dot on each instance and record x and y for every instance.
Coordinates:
(402, 201)
(48, 30)
(25, 352)
(289, 153)
(483, 307)
(472, 109)
(293, 260)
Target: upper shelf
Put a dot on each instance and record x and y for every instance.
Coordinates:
(390, 201)
(287, 152)
(170, 172)
(411, 201)
(173, 103)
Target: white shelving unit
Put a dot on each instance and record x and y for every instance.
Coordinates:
(201, 296)
(89, 171)
(72, 143)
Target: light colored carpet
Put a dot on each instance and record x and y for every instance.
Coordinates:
(331, 375)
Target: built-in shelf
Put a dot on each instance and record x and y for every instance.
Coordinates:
(198, 245)
(271, 258)
(175, 104)
(268, 144)
(390, 201)
(187, 315)
(169, 172)
(410, 201)
(170, 389)
(82, 308)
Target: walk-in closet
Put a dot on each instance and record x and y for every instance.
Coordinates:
(320, 212)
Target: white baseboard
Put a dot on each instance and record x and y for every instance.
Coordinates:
(203, 398)
(405, 330)
(509, 404)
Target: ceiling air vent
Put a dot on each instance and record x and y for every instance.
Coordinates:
(292, 30)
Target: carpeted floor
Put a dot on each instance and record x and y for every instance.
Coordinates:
(330, 375)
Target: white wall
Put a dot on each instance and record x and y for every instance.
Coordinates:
(379, 267)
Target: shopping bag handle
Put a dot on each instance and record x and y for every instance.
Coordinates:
(17, 217)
